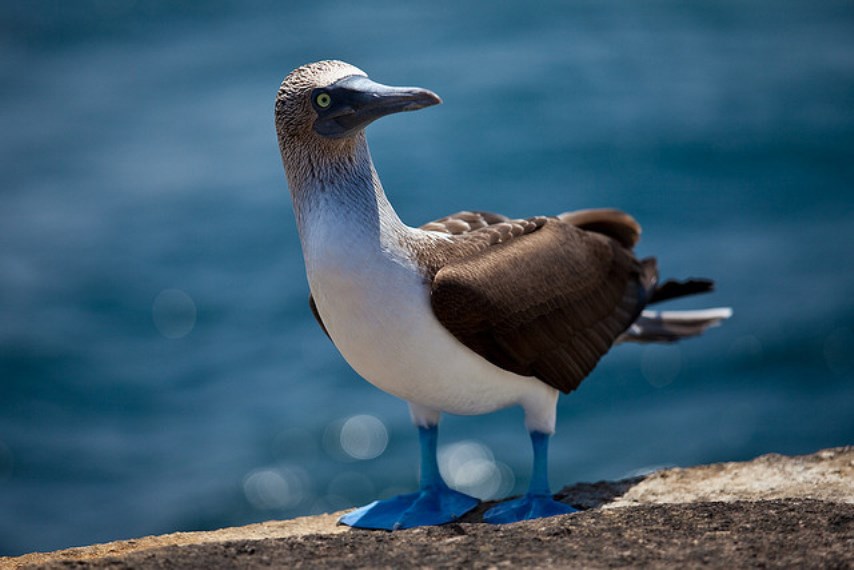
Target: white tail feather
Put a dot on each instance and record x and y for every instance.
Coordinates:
(669, 326)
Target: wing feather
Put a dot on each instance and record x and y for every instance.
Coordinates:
(549, 303)
(613, 223)
(547, 306)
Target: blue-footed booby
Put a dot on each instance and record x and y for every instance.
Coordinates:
(467, 314)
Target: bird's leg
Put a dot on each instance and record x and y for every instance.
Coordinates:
(435, 503)
(537, 502)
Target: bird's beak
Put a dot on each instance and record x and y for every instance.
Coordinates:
(352, 103)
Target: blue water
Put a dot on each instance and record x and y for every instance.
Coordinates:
(159, 367)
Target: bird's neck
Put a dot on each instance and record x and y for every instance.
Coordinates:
(340, 194)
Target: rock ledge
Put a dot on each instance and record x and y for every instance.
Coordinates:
(774, 511)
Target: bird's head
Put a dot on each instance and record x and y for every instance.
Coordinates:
(329, 102)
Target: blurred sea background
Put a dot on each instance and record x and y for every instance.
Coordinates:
(159, 366)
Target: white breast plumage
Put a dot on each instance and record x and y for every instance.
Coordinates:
(376, 306)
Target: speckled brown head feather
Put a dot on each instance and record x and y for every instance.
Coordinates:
(294, 114)
(306, 154)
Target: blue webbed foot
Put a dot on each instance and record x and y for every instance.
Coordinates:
(529, 506)
(433, 505)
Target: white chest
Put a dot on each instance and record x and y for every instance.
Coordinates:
(371, 298)
(376, 307)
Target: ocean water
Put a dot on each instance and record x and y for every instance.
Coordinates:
(159, 367)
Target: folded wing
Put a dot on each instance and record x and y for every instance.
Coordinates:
(547, 303)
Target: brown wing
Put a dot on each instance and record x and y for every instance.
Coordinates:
(548, 304)
(607, 221)
(498, 228)
(464, 222)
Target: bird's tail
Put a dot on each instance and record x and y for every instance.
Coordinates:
(669, 326)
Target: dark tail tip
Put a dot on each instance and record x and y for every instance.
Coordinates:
(671, 289)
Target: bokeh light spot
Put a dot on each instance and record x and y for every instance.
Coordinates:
(363, 437)
(269, 489)
(173, 313)
(470, 467)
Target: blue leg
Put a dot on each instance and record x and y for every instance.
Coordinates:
(435, 503)
(537, 502)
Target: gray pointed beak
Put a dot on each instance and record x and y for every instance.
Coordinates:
(352, 103)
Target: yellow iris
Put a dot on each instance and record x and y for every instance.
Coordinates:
(323, 100)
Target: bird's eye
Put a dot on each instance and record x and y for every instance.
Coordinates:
(323, 100)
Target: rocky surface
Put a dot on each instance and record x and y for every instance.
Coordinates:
(774, 511)
(827, 475)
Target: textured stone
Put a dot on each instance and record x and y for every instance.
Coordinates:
(773, 511)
